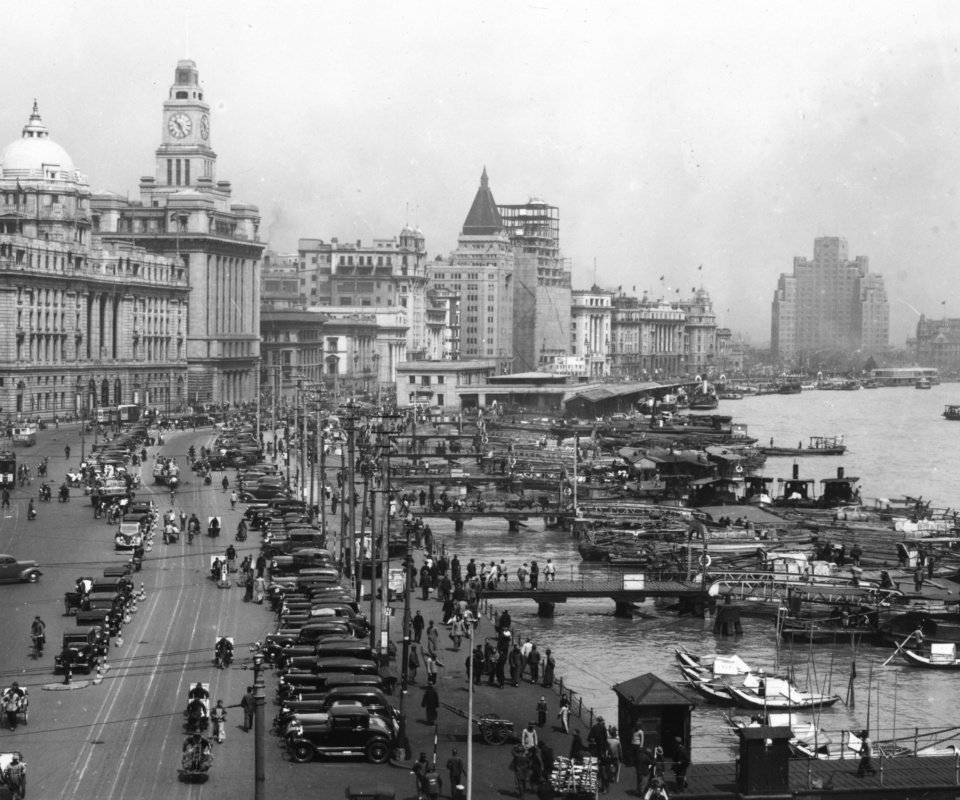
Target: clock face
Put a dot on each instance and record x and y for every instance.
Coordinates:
(204, 126)
(179, 125)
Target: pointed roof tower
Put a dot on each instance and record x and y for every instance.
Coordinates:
(483, 218)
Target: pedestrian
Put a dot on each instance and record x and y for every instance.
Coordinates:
(520, 764)
(455, 766)
(681, 763)
(516, 664)
(248, 586)
(11, 705)
(577, 748)
(643, 761)
(866, 755)
(534, 575)
(6, 499)
(413, 664)
(522, 575)
(542, 711)
(918, 578)
(533, 661)
(431, 702)
(855, 553)
(233, 499)
(432, 664)
(636, 741)
(420, 769)
(417, 625)
(931, 563)
(433, 639)
(548, 669)
(616, 753)
(248, 704)
(261, 565)
(564, 714)
(458, 630)
(549, 571)
(219, 717)
(260, 588)
(597, 737)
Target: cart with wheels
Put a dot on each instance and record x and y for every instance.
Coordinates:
(575, 778)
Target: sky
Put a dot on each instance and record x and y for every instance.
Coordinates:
(670, 134)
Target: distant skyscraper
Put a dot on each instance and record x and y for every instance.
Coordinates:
(829, 303)
(542, 292)
(480, 272)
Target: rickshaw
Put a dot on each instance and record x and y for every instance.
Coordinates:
(223, 652)
(13, 774)
(197, 759)
(198, 707)
(23, 702)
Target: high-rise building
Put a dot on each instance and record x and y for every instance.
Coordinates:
(829, 303)
(186, 214)
(480, 273)
(541, 289)
(388, 273)
(87, 322)
(647, 338)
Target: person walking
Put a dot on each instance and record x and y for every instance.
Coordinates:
(218, 715)
(261, 564)
(456, 769)
(260, 589)
(548, 669)
(681, 763)
(248, 586)
(564, 714)
(420, 769)
(457, 631)
(432, 664)
(616, 753)
(534, 575)
(431, 702)
(417, 625)
(516, 664)
(248, 704)
(522, 575)
(542, 711)
(533, 661)
(866, 755)
(549, 571)
(433, 639)
(520, 764)
(233, 500)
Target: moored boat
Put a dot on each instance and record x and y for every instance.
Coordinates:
(785, 699)
(952, 412)
(818, 446)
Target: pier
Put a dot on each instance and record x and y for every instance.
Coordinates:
(626, 591)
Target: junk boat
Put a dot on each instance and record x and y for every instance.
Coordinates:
(818, 446)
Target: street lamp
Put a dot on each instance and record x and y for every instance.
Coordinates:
(259, 728)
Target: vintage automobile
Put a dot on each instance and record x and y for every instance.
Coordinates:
(129, 536)
(370, 697)
(81, 650)
(348, 729)
(12, 570)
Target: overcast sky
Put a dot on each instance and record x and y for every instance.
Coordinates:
(670, 135)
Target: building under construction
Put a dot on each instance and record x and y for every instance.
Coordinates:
(541, 299)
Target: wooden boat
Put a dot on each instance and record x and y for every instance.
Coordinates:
(818, 446)
(714, 693)
(952, 412)
(942, 656)
(923, 382)
(793, 700)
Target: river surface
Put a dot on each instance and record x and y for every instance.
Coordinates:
(898, 444)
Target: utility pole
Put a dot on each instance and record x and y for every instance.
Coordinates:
(303, 439)
(273, 391)
(350, 491)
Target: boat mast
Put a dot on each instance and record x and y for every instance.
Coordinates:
(576, 456)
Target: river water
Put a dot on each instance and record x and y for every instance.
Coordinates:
(898, 444)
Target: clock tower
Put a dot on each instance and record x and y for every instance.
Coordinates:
(185, 154)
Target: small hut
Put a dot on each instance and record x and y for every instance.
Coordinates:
(662, 710)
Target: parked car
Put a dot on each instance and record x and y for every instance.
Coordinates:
(12, 570)
(347, 730)
(81, 650)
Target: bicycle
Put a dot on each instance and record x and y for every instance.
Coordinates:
(37, 645)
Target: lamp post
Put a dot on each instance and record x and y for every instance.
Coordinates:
(259, 728)
(376, 374)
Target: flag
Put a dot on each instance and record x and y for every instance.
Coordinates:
(661, 277)
(700, 267)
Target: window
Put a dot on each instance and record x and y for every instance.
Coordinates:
(425, 381)
(440, 379)
(413, 379)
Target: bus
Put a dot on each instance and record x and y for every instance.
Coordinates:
(8, 469)
(128, 412)
(25, 435)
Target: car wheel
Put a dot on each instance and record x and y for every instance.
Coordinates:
(378, 752)
(33, 577)
(301, 752)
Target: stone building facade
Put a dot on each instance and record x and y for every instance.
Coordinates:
(186, 214)
(90, 322)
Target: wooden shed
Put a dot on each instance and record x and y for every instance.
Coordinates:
(662, 710)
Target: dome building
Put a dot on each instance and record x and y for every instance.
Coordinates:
(92, 324)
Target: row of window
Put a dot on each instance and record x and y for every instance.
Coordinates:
(425, 379)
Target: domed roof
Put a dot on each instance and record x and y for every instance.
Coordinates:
(35, 150)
